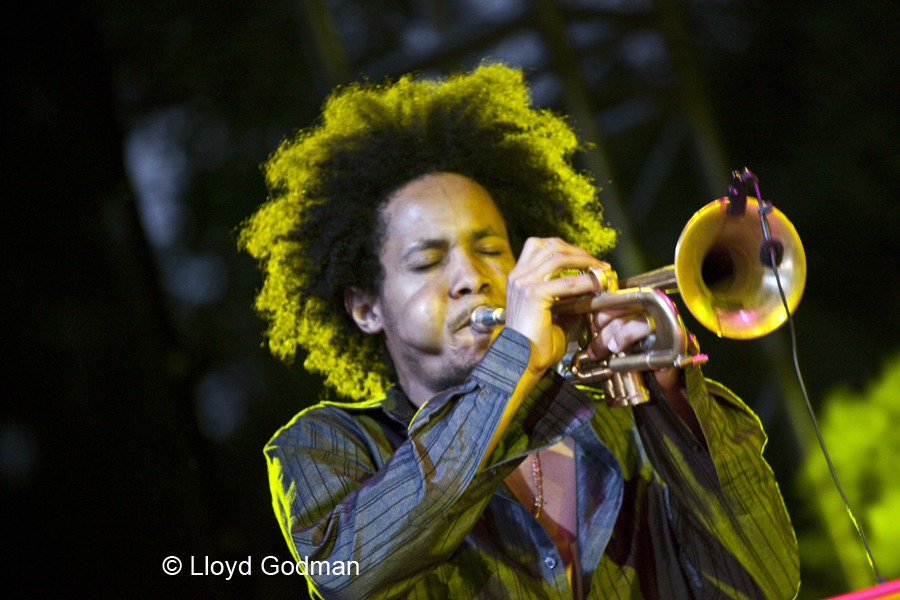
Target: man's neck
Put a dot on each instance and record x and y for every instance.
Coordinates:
(417, 393)
(419, 390)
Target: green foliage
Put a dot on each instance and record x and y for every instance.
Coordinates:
(860, 431)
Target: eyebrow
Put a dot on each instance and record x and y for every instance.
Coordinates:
(432, 243)
(426, 244)
(480, 234)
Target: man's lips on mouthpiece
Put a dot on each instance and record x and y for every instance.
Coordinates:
(464, 318)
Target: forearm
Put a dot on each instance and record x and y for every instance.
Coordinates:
(524, 387)
(673, 387)
(725, 494)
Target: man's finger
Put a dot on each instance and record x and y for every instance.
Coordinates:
(550, 256)
(617, 335)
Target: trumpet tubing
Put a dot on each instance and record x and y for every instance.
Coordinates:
(723, 274)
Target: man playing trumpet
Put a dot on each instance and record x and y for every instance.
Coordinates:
(466, 467)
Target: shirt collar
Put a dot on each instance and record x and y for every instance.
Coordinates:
(397, 406)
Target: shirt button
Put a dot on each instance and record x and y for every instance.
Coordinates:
(550, 562)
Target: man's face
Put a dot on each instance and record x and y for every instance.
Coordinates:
(445, 252)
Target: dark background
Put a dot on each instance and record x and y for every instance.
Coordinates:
(137, 394)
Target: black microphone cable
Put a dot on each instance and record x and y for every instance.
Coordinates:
(770, 247)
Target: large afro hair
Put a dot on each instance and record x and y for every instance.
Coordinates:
(320, 231)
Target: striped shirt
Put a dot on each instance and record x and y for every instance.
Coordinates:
(389, 502)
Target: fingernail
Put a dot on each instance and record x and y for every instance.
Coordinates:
(613, 346)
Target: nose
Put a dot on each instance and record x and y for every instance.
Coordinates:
(469, 276)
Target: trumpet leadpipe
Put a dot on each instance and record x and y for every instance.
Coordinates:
(662, 279)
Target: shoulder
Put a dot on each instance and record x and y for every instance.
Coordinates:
(330, 425)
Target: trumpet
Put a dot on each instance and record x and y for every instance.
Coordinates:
(724, 272)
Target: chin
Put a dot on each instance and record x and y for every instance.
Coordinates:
(452, 377)
(456, 372)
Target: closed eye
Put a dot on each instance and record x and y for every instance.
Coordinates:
(427, 261)
(426, 267)
(491, 250)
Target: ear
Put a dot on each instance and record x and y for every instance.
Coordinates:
(365, 308)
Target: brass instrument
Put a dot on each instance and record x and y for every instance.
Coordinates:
(722, 270)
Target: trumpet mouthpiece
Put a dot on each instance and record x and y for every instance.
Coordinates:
(485, 318)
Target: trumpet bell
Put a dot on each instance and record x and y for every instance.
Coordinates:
(721, 278)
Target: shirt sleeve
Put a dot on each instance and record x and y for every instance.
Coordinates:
(732, 527)
(399, 519)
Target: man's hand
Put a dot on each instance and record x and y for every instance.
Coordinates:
(533, 286)
(617, 330)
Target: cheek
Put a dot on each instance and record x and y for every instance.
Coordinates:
(418, 320)
(500, 275)
(426, 313)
